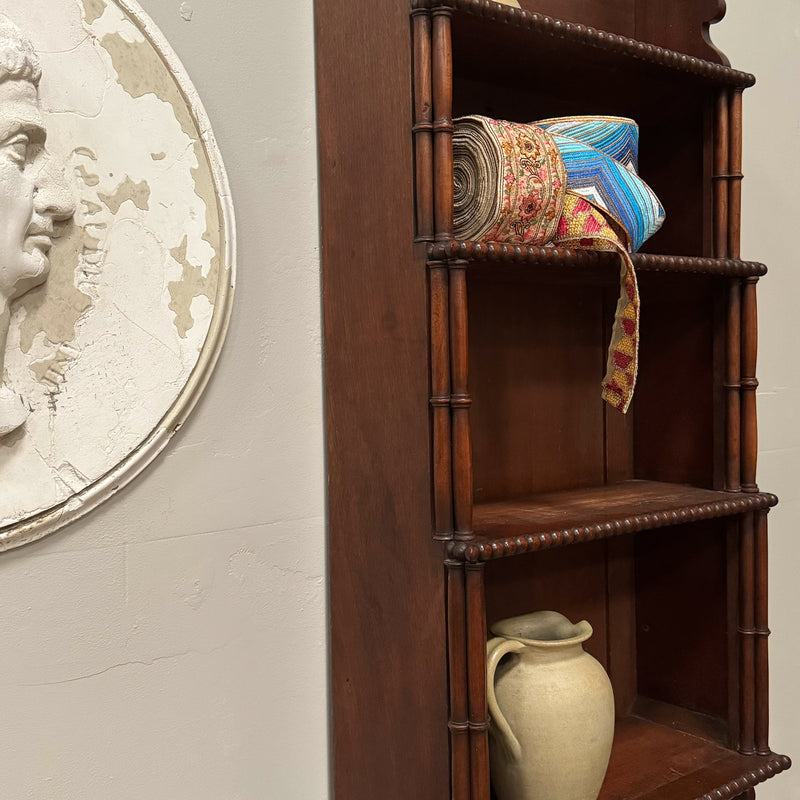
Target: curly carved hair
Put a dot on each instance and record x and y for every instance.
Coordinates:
(18, 59)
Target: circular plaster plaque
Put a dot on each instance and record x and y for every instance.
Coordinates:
(116, 255)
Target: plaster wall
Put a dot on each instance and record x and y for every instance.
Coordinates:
(172, 644)
(764, 38)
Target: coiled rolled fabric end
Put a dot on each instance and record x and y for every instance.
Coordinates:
(509, 182)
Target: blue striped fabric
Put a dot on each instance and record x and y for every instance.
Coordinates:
(600, 156)
(617, 137)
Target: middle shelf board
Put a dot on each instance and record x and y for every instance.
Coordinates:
(559, 256)
(555, 519)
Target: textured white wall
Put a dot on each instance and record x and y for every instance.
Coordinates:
(173, 645)
(764, 38)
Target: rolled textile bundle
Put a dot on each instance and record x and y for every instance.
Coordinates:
(508, 181)
(567, 182)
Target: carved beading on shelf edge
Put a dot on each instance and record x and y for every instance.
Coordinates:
(592, 37)
(646, 262)
(736, 787)
(479, 551)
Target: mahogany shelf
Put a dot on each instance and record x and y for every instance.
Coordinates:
(475, 251)
(495, 20)
(556, 519)
(650, 761)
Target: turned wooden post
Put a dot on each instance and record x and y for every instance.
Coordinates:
(457, 667)
(423, 123)
(460, 401)
(442, 87)
(440, 400)
(747, 699)
(733, 387)
(749, 385)
(735, 175)
(720, 176)
(761, 636)
(476, 670)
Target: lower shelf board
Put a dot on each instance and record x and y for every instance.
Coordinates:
(656, 762)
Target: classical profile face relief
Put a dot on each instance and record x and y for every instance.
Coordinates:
(34, 198)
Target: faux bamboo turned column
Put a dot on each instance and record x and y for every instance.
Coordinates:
(476, 671)
(720, 176)
(749, 385)
(457, 666)
(440, 400)
(460, 402)
(423, 123)
(749, 316)
(442, 91)
(733, 323)
(747, 698)
(443, 216)
(735, 174)
(438, 273)
(761, 636)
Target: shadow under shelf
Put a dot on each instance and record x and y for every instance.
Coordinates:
(555, 519)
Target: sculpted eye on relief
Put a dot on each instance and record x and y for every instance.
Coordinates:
(116, 255)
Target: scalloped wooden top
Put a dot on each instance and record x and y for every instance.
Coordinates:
(651, 25)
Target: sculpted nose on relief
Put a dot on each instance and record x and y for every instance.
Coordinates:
(52, 195)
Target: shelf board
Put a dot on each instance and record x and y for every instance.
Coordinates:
(495, 18)
(555, 519)
(558, 256)
(655, 762)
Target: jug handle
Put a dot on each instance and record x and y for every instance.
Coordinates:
(497, 648)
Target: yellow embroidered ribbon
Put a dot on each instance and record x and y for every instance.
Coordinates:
(584, 227)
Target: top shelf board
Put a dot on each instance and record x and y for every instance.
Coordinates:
(485, 20)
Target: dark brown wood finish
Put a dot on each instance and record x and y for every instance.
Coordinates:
(761, 619)
(423, 124)
(460, 734)
(749, 386)
(733, 387)
(721, 175)
(476, 670)
(656, 762)
(735, 174)
(440, 400)
(747, 698)
(518, 457)
(442, 122)
(674, 24)
(388, 635)
(460, 401)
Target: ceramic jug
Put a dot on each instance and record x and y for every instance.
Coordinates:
(551, 710)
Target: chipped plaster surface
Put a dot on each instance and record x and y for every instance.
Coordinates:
(138, 295)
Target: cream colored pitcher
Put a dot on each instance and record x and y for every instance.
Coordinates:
(551, 708)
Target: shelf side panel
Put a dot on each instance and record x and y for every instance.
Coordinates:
(388, 636)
